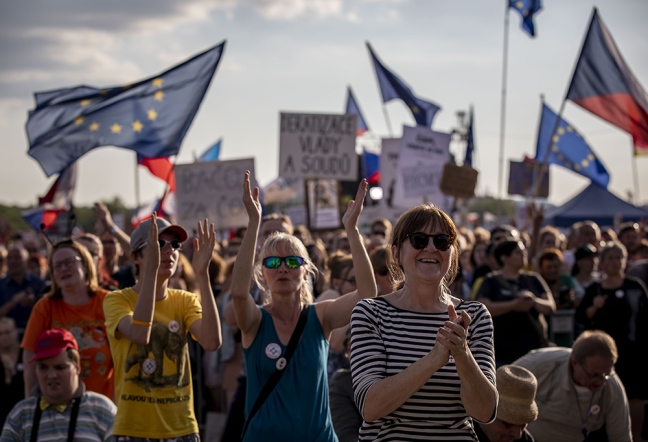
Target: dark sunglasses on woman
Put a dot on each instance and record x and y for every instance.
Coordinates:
(274, 262)
(420, 240)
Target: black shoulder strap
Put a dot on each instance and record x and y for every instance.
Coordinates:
(37, 417)
(73, 418)
(274, 379)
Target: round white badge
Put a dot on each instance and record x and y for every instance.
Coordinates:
(273, 350)
(149, 366)
(619, 294)
(281, 363)
(174, 326)
(594, 410)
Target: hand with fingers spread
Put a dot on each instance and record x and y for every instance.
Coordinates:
(251, 198)
(203, 246)
(354, 209)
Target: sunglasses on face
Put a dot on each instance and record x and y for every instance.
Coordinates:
(274, 262)
(420, 240)
(175, 244)
(378, 233)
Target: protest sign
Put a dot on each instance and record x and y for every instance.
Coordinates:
(521, 175)
(423, 154)
(318, 146)
(212, 190)
(459, 181)
(323, 204)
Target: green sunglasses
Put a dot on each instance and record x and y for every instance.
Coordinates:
(274, 262)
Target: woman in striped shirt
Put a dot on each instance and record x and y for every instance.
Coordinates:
(422, 360)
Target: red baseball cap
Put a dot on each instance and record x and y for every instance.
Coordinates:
(51, 343)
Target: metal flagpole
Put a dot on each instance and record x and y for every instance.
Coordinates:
(503, 110)
(137, 184)
(635, 174)
(389, 128)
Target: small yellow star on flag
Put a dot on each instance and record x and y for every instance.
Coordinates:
(137, 126)
(157, 82)
(116, 128)
(159, 95)
(152, 115)
(78, 120)
(94, 126)
(84, 103)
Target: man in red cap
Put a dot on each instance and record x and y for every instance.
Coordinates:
(60, 407)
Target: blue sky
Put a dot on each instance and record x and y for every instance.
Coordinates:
(300, 55)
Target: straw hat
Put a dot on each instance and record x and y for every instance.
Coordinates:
(517, 389)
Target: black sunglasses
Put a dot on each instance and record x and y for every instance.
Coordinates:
(420, 240)
(175, 244)
(378, 233)
(274, 262)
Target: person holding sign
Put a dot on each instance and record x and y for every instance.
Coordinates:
(422, 361)
(285, 340)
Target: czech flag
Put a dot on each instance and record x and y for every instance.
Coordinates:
(604, 85)
(58, 199)
(371, 167)
(161, 168)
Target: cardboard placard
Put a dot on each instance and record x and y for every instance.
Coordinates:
(212, 190)
(459, 181)
(521, 175)
(318, 146)
(323, 204)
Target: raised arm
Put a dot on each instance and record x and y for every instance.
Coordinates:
(337, 313)
(104, 216)
(208, 328)
(137, 328)
(248, 315)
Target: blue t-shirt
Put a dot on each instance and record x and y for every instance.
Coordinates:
(298, 407)
(9, 287)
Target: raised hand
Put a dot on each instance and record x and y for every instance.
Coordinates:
(152, 260)
(350, 218)
(103, 214)
(251, 198)
(203, 247)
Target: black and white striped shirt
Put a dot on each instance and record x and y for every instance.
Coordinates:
(385, 340)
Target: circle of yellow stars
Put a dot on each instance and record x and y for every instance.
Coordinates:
(116, 128)
(560, 157)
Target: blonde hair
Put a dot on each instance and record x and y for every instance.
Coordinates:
(296, 247)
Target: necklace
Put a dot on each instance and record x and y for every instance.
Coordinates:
(580, 411)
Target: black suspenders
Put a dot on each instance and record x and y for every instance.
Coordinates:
(73, 419)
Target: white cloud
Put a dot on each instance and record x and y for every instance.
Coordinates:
(291, 9)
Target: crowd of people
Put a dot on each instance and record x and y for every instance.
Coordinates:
(413, 330)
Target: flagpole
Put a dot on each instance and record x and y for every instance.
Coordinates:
(389, 128)
(137, 184)
(503, 110)
(636, 199)
(543, 165)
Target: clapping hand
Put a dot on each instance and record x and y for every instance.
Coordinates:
(350, 218)
(251, 198)
(203, 247)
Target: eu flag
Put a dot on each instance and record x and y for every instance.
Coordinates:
(568, 149)
(150, 117)
(527, 9)
(604, 85)
(391, 87)
(470, 142)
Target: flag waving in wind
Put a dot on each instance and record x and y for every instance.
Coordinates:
(391, 87)
(568, 149)
(604, 85)
(352, 108)
(58, 199)
(161, 168)
(212, 153)
(150, 117)
(527, 9)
